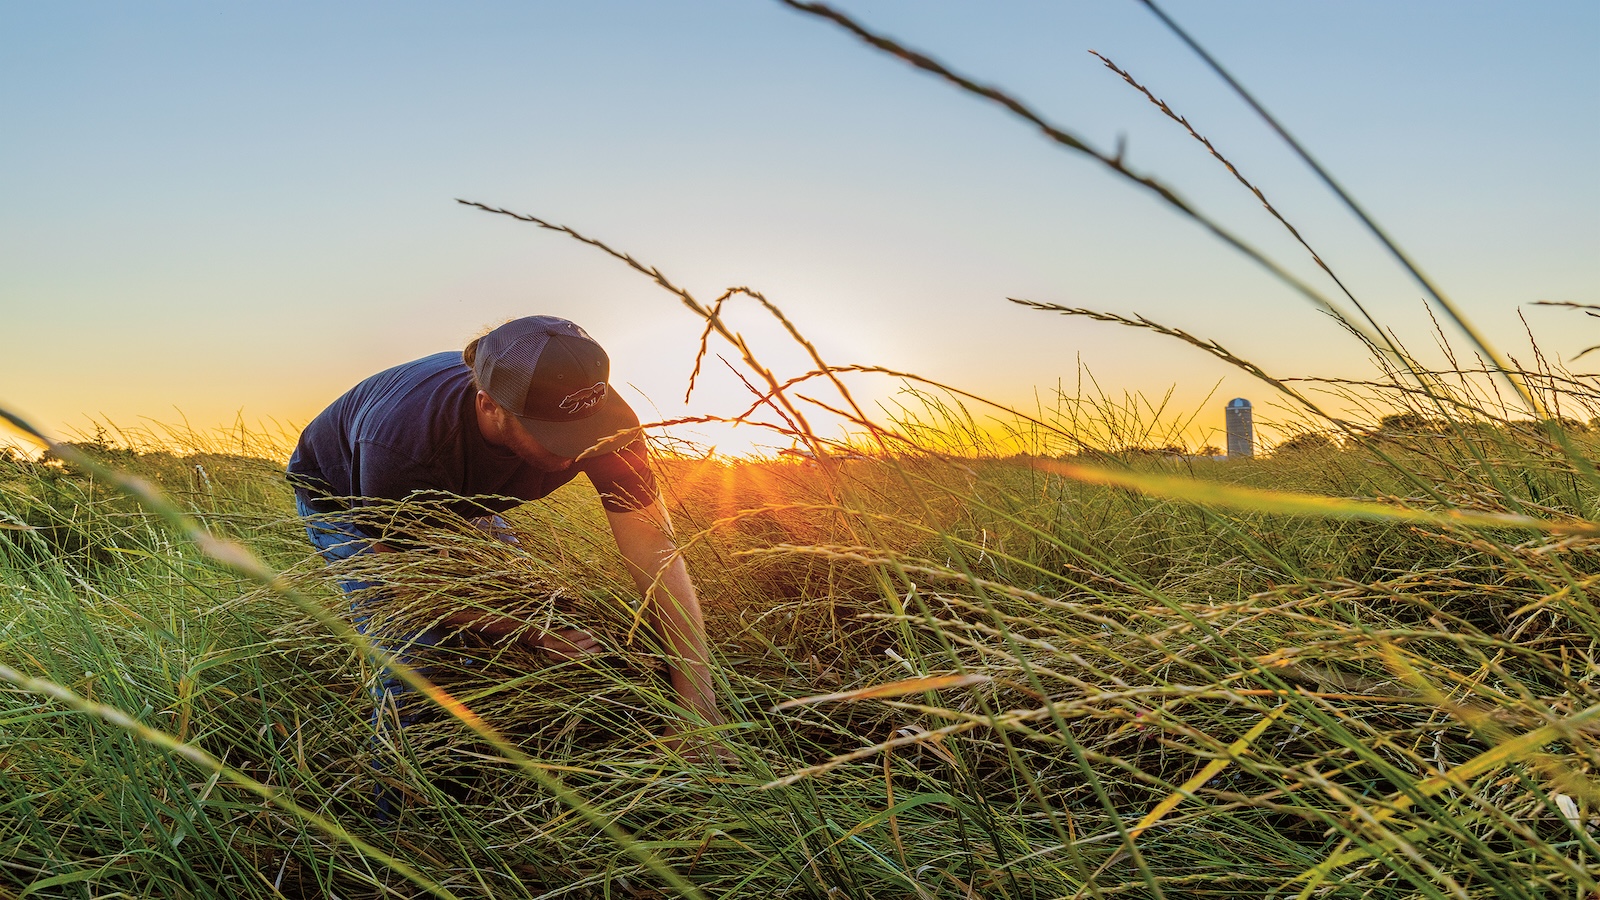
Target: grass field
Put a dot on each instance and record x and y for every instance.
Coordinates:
(1361, 667)
(1092, 690)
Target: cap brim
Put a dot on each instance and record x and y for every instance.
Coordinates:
(609, 428)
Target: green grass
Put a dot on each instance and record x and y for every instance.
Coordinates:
(1117, 642)
(1362, 667)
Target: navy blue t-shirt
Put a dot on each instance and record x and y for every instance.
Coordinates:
(411, 432)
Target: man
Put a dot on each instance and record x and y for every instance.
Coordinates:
(519, 413)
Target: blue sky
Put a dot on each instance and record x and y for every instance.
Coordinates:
(213, 211)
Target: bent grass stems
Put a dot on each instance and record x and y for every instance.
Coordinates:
(1125, 657)
(1461, 322)
(204, 761)
(1066, 139)
(240, 559)
(1244, 675)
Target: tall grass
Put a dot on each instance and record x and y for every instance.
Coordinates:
(1361, 667)
(1106, 644)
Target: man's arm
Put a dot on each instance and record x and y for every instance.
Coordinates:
(563, 643)
(645, 538)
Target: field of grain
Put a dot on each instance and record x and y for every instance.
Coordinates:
(945, 676)
(1361, 666)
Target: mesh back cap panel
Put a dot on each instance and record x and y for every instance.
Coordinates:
(554, 378)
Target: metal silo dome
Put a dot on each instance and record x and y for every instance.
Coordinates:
(1241, 429)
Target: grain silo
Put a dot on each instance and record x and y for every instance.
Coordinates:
(1241, 429)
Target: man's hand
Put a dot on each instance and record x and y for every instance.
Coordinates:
(564, 645)
(645, 538)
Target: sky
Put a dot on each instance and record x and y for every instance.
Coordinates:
(222, 213)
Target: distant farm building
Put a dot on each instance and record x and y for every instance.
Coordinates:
(1241, 429)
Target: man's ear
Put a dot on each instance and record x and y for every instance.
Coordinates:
(488, 409)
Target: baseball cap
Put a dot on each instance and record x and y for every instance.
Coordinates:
(555, 379)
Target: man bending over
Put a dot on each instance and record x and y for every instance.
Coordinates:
(519, 413)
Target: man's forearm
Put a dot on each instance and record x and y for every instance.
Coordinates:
(675, 616)
(672, 609)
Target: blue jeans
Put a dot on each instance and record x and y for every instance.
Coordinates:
(392, 699)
